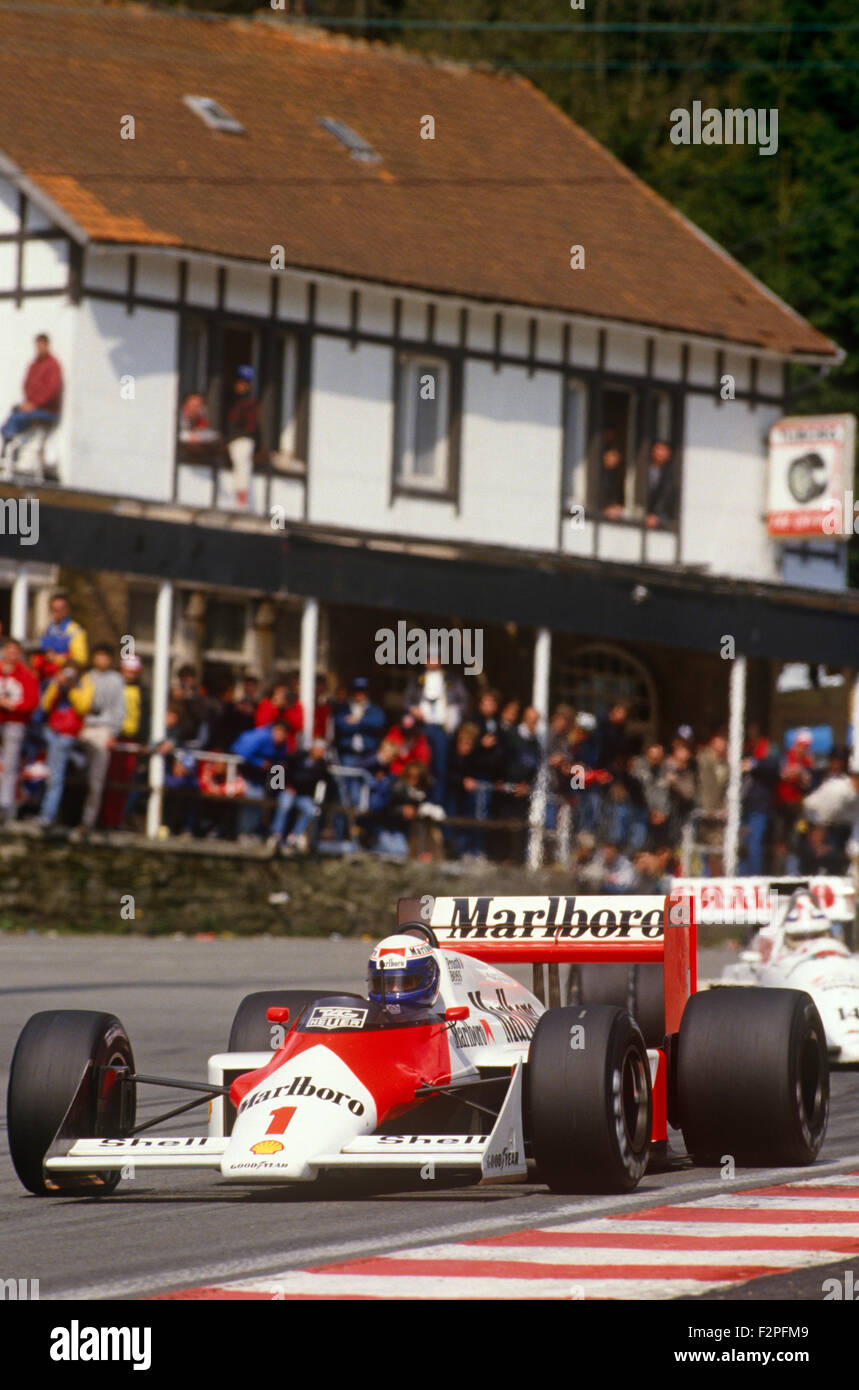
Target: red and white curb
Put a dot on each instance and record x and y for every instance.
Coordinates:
(654, 1252)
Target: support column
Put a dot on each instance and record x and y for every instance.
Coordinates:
(160, 691)
(309, 640)
(736, 727)
(542, 669)
(20, 604)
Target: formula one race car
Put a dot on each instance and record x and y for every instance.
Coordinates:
(798, 950)
(450, 1064)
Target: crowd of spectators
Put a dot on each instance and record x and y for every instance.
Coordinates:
(454, 774)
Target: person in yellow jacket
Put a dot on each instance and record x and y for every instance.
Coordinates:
(63, 640)
(66, 702)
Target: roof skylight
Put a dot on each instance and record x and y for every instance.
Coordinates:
(215, 116)
(355, 143)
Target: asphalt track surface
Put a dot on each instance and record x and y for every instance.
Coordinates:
(175, 1230)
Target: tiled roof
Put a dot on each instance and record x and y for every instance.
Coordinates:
(488, 209)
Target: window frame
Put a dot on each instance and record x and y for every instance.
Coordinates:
(643, 391)
(407, 356)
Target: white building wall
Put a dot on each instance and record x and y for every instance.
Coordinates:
(724, 489)
(351, 425)
(123, 446)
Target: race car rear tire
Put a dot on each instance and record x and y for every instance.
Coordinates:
(253, 1032)
(589, 1106)
(752, 1077)
(52, 1054)
(638, 988)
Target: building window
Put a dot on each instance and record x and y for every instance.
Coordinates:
(599, 675)
(423, 424)
(226, 627)
(576, 429)
(635, 452)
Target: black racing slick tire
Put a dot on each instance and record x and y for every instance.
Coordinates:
(589, 1106)
(752, 1077)
(57, 1079)
(638, 988)
(253, 1032)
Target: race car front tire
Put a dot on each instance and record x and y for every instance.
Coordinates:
(752, 1077)
(253, 1032)
(57, 1065)
(589, 1106)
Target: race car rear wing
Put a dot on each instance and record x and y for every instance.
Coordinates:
(555, 930)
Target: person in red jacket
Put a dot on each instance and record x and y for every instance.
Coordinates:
(19, 696)
(42, 396)
(282, 705)
(411, 744)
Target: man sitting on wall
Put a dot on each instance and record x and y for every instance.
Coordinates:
(42, 394)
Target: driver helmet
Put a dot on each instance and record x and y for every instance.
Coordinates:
(402, 970)
(805, 921)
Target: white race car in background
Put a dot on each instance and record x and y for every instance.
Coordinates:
(797, 950)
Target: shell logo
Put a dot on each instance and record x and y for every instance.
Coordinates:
(267, 1146)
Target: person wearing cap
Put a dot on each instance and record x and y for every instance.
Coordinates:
(411, 744)
(242, 433)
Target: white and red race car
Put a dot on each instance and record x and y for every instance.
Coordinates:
(450, 1064)
(796, 949)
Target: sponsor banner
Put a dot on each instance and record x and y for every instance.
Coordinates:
(810, 463)
(527, 920)
(755, 901)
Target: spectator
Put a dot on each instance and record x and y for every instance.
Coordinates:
(680, 776)
(395, 820)
(661, 492)
(651, 773)
(102, 724)
(258, 749)
(618, 875)
(195, 711)
(180, 787)
(19, 697)
(283, 704)
(194, 427)
(820, 852)
(358, 728)
(123, 762)
(794, 782)
(307, 780)
(323, 725)
(713, 777)
(242, 433)
(462, 790)
(760, 769)
(62, 641)
(621, 822)
(42, 394)
(441, 701)
(585, 778)
(410, 745)
(525, 752)
(613, 483)
(66, 701)
(614, 741)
